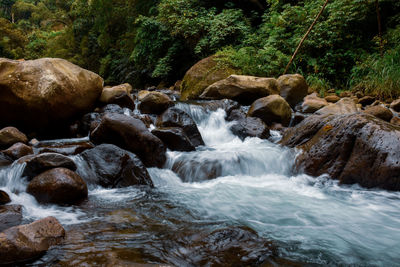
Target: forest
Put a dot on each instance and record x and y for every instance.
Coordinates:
(151, 42)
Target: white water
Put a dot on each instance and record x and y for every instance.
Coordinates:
(313, 220)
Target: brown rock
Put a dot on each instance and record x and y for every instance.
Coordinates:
(395, 120)
(44, 92)
(109, 93)
(395, 105)
(343, 106)
(380, 112)
(240, 88)
(312, 103)
(4, 198)
(174, 138)
(271, 109)
(345, 94)
(10, 215)
(293, 88)
(366, 100)
(18, 150)
(26, 242)
(155, 103)
(332, 98)
(59, 186)
(11, 135)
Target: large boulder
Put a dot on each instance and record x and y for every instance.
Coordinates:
(58, 186)
(36, 164)
(353, 148)
(343, 106)
(110, 166)
(10, 136)
(26, 242)
(17, 151)
(131, 134)
(293, 88)
(244, 89)
(155, 103)
(312, 103)
(174, 117)
(247, 126)
(380, 112)
(271, 109)
(44, 92)
(10, 215)
(201, 75)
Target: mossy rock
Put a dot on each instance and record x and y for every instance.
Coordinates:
(204, 73)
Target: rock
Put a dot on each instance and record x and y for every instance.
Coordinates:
(26, 242)
(155, 103)
(174, 117)
(380, 112)
(36, 164)
(4, 160)
(345, 94)
(111, 108)
(243, 89)
(213, 105)
(395, 105)
(66, 149)
(343, 106)
(174, 138)
(395, 120)
(293, 88)
(366, 100)
(312, 103)
(4, 198)
(142, 94)
(10, 215)
(33, 142)
(109, 93)
(58, 186)
(271, 109)
(11, 135)
(131, 134)
(297, 118)
(123, 100)
(353, 148)
(201, 75)
(247, 126)
(332, 98)
(44, 92)
(359, 94)
(18, 150)
(110, 166)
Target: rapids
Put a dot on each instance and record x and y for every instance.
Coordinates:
(309, 220)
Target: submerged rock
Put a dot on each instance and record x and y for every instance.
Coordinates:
(26, 242)
(110, 166)
(174, 138)
(11, 135)
(353, 148)
(293, 88)
(271, 109)
(10, 215)
(58, 186)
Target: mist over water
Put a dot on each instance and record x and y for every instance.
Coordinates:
(245, 183)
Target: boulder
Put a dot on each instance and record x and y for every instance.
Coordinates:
(131, 134)
(247, 126)
(17, 151)
(11, 135)
(293, 88)
(58, 186)
(240, 88)
(343, 106)
(395, 105)
(395, 120)
(109, 93)
(123, 100)
(380, 112)
(353, 148)
(174, 117)
(366, 100)
(10, 215)
(26, 242)
(312, 103)
(110, 166)
(4, 198)
(271, 109)
(47, 91)
(203, 74)
(174, 138)
(88, 123)
(36, 164)
(345, 94)
(155, 103)
(142, 94)
(332, 98)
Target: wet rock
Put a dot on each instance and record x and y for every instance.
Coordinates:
(213, 105)
(293, 88)
(332, 98)
(297, 118)
(4, 198)
(271, 109)
(380, 112)
(155, 103)
(109, 93)
(58, 186)
(395, 105)
(345, 146)
(66, 149)
(395, 120)
(174, 138)
(36, 164)
(123, 100)
(110, 166)
(26, 242)
(45, 92)
(174, 117)
(196, 168)
(4, 160)
(89, 122)
(240, 88)
(131, 134)
(343, 106)
(17, 151)
(247, 126)
(312, 103)
(111, 108)
(10, 215)
(142, 94)
(10, 136)
(366, 100)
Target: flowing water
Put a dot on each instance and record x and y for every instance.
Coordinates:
(229, 202)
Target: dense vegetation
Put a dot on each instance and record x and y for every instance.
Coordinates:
(152, 41)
